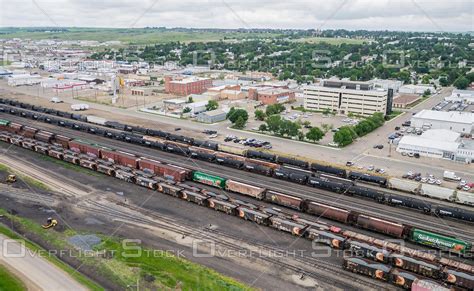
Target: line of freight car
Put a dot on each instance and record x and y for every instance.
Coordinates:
(462, 216)
(153, 184)
(269, 168)
(406, 279)
(255, 192)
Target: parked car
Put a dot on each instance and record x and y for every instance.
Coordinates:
(350, 164)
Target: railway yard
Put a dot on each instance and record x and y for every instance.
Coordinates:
(292, 207)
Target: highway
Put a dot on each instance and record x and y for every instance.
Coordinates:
(36, 271)
(455, 228)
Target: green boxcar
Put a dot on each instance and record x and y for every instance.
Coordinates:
(207, 179)
(4, 122)
(439, 241)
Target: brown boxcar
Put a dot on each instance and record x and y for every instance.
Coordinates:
(403, 279)
(416, 266)
(194, 197)
(380, 225)
(263, 163)
(169, 189)
(29, 132)
(367, 267)
(245, 189)
(287, 226)
(44, 136)
(459, 278)
(84, 148)
(369, 251)
(170, 172)
(62, 140)
(148, 165)
(223, 206)
(120, 157)
(254, 215)
(327, 238)
(284, 200)
(187, 171)
(15, 127)
(221, 155)
(327, 211)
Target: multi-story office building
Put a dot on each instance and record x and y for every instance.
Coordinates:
(344, 97)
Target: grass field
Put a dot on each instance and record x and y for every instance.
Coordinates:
(138, 36)
(332, 41)
(26, 179)
(125, 267)
(9, 282)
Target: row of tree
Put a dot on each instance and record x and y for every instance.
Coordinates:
(277, 125)
(347, 134)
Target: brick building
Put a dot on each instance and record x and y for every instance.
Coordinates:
(184, 86)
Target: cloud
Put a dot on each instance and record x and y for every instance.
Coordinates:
(429, 15)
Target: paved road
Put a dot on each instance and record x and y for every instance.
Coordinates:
(36, 271)
(360, 151)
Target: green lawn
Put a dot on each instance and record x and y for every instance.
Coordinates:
(331, 40)
(9, 282)
(168, 272)
(139, 36)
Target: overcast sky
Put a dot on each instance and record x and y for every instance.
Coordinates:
(417, 15)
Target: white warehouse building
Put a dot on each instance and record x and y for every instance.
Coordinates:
(438, 143)
(462, 122)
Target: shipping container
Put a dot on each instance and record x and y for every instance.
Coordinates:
(245, 189)
(284, 200)
(367, 267)
(169, 189)
(437, 192)
(328, 169)
(232, 150)
(194, 197)
(414, 265)
(207, 179)
(327, 211)
(380, 225)
(427, 285)
(253, 215)
(287, 226)
(404, 185)
(327, 238)
(439, 241)
(223, 206)
(365, 250)
(459, 279)
(465, 198)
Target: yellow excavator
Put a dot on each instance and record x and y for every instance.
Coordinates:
(50, 223)
(11, 178)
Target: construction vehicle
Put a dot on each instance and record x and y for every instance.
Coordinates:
(50, 223)
(11, 178)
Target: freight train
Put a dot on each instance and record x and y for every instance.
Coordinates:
(264, 163)
(153, 174)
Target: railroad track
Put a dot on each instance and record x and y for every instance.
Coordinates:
(461, 230)
(16, 193)
(332, 273)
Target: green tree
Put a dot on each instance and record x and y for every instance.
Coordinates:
(260, 115)
(212, 105)
(274, 123)
(274, 109)
(315, 134)
(461, 83)
(190, 99)
(240, 122)
(262, 127)
(426, 93)
(234, 114)
(326, 127)
(343, 136)
(186, 110)
(326, 111)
